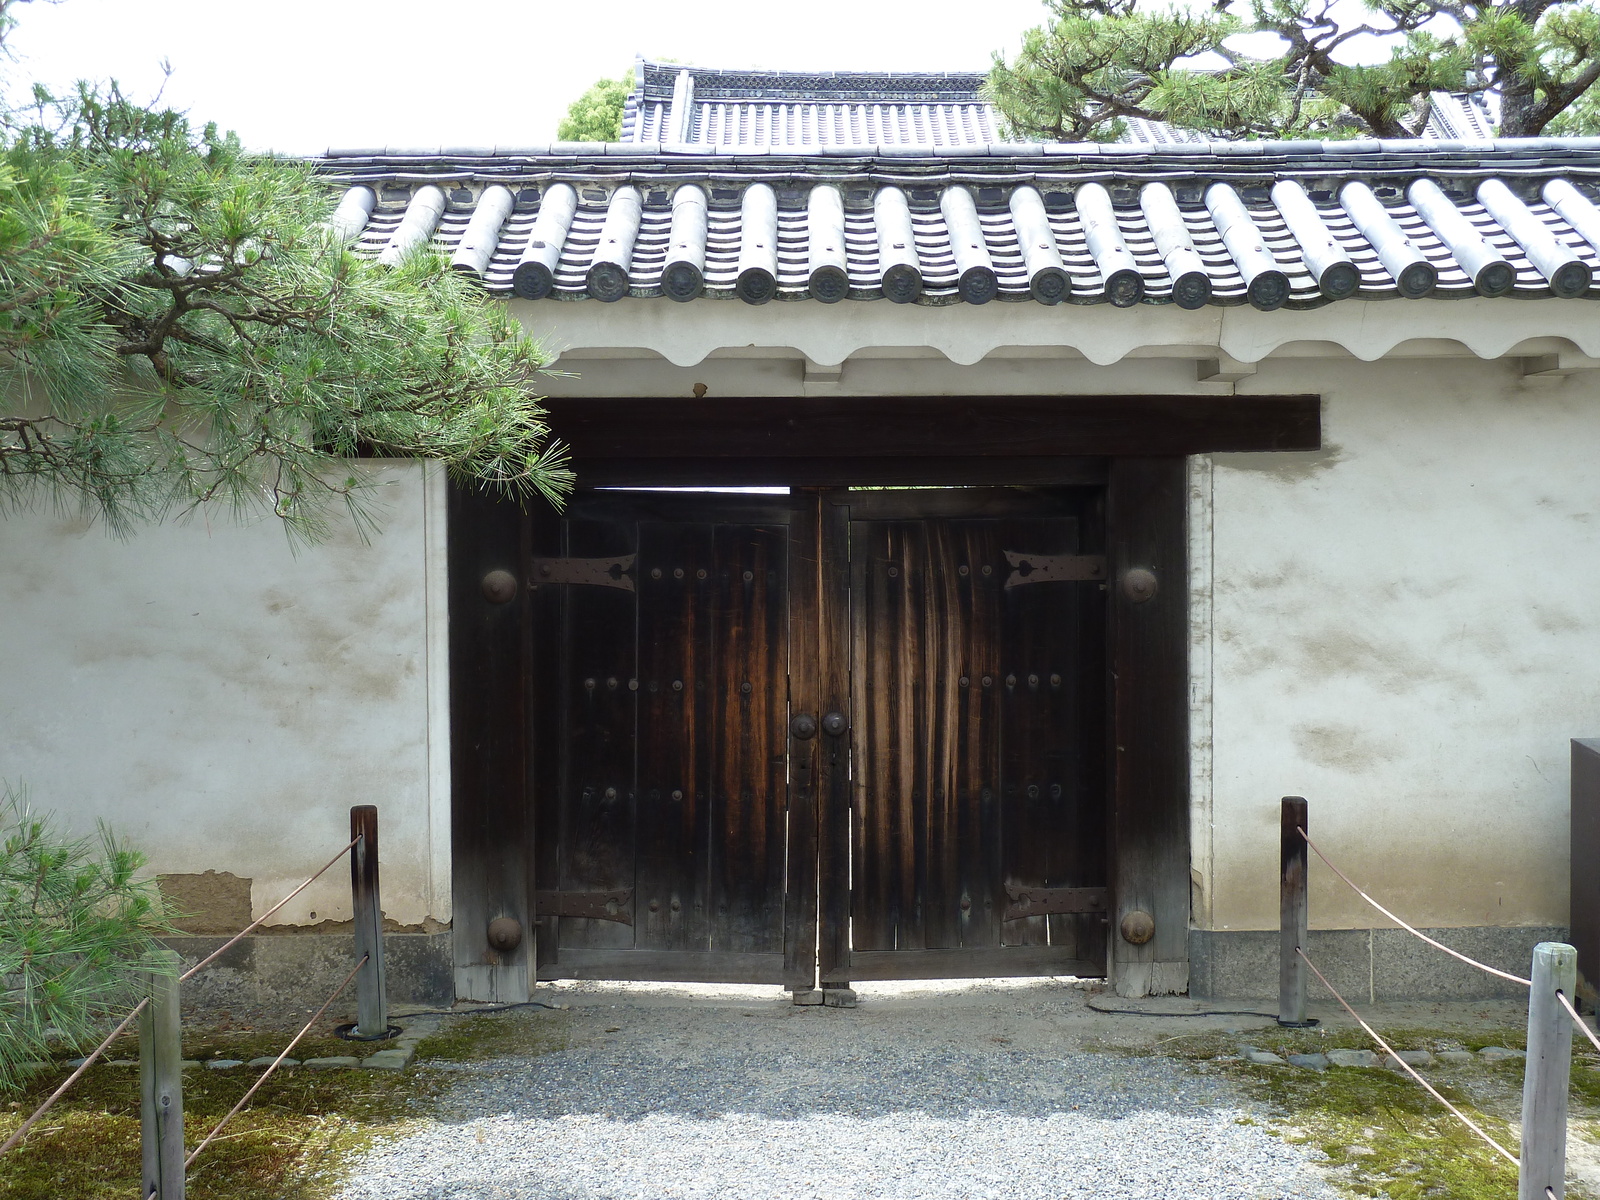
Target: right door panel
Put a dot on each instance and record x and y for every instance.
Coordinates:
(977, 795)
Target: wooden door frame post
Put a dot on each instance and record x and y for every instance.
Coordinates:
(491, 831)
(1148, 631)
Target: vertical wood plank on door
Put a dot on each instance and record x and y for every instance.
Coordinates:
(1145, 518)
(671, 902)
(941, 636)
(748, 760)
(550, 638)
(597, 834)
(1034, 739)
(976, 766)
(887, 561)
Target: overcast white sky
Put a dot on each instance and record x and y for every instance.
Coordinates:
(303, 75)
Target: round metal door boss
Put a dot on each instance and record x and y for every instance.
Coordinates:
(1138, 927)
(834, 724)
(804, 726)
(505, 934)
(499, 587)
(1139, 584)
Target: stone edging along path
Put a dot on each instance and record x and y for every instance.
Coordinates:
(1370, 1058)
(396, 1055)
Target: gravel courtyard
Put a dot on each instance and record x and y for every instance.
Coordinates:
(981, 1091)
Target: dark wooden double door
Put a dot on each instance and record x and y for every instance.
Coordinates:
(829, 734)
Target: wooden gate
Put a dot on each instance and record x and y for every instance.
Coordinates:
(918, 676)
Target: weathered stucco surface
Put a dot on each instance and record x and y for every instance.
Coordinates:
(1401, 627)
(1405, 631)
(221, 700)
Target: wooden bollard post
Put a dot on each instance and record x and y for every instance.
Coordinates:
(1294, 915)
(1548, 1073)
(372, 1003)
(161, 1083)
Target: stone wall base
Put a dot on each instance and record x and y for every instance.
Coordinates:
(1368, 964)
(297, 971)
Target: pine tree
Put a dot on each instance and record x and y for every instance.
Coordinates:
(76, 925)
(179, 328)
(1096, 63)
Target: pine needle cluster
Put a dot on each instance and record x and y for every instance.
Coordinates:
(1299, 68)
(180, 329)
(76, 929)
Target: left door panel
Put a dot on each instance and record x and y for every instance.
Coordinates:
(658, 722)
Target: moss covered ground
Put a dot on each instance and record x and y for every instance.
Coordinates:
(1382, 1135)
(288, 1144)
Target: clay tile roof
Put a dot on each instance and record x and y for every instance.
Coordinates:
(1273, 224)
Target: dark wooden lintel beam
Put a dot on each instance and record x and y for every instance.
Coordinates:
(820, 429)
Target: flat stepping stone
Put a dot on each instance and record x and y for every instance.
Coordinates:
(1412, 1058)
(1265, 1058)
(224, 1064)
(331, 1064)
(1457, 1056)
(1352, 1058)
(388, 1060)
(191, 1064)
(1494, 1054)
(268, 1060)
(1309, 1062)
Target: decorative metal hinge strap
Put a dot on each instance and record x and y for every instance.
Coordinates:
(1053, 568)
(597, 572)
(1043, 902)
(600, 906)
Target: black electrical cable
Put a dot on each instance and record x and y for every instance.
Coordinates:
(1210, 1012)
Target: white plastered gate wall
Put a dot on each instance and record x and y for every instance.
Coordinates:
(1397, 627)
(1401, 628)
(222, 700)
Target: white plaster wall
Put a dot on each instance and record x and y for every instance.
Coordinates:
(1405, 629)
(221, 700)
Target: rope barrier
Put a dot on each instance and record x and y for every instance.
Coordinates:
(199, 966)
(1373, 1034)
(234, 940)
(245, 1099)
(1577, 1020)
(1471, 962)
(74, 1077)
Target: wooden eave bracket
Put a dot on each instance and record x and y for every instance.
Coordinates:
(1222, 369)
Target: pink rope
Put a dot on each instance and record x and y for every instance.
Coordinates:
(1471, 962)
(245, 1099)
(1577, 1020)
(74, 1077)
(1373, 1034)
(234, 940)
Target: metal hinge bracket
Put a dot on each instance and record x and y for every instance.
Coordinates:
(1043, 902)
(596, 572)
(599, 906)
(1053, 568)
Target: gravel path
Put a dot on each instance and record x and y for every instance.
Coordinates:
(982, 1094)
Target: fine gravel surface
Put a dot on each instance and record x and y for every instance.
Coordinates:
(981, 1091)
